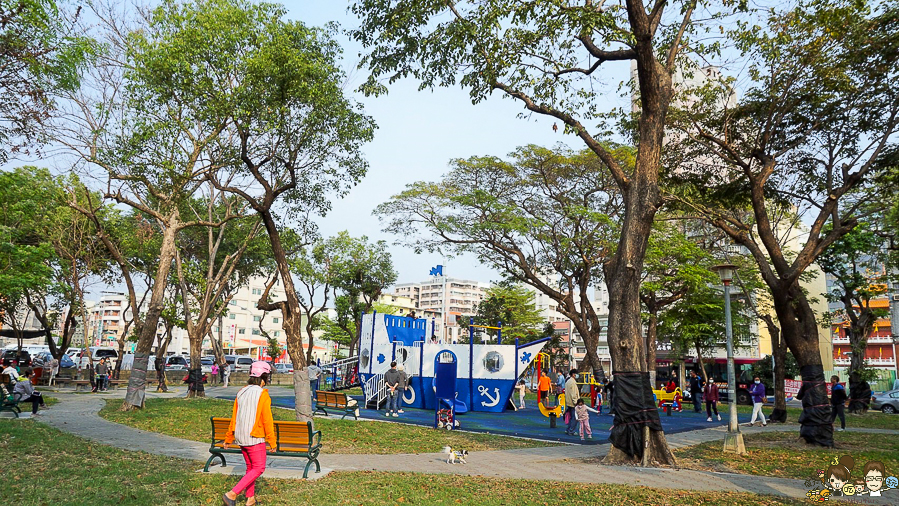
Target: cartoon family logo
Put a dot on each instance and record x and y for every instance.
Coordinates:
(836, 480)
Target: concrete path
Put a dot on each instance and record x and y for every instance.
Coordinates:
(77, 414)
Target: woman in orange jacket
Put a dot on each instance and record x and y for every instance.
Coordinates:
(252, 428)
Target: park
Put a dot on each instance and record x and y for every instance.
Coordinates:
(660, 237)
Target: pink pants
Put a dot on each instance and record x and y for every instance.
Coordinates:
(584, 425)
(255, 459)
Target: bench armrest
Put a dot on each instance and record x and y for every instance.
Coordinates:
(316, 440)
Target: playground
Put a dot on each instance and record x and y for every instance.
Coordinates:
(528, 422)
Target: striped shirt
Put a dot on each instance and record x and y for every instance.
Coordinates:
(247, 402)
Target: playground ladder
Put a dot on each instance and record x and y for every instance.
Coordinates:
(375, 389)
(343, 373)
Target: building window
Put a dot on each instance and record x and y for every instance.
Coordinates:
(277, 333)
(255, 332)
(276, 320)
(257, 318)
(232, 316)
(232, 303)
(257, 291)
(241, 331)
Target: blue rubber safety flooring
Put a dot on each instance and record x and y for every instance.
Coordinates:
(529, 423)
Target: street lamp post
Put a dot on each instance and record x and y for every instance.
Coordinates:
(733, 441)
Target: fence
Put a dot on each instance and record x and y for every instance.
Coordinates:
(882, 383)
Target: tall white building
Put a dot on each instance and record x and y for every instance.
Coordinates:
(450, 297)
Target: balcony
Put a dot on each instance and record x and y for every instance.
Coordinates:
(841, 340)
(841, 361)
(880, 340)
(881, 361)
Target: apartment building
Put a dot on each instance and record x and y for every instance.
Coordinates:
(451, 298)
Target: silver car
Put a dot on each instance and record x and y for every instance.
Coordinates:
(888, 402)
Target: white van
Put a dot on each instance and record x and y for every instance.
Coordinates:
(96, 353)
(242, 363)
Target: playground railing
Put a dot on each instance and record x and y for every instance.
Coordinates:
(341, 374)
(375, 388)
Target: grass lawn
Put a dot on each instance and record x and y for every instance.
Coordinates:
(189, 419)
(870, 420)
(64, 469)
(786, 455)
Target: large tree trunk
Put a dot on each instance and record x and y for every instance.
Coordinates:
(779, 351)
(137, 383)
(700, 361)
(292, 320)
(195, 374)
(800, 331)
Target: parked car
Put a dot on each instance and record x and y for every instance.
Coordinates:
(177, 363)
(45, 357)
(284, 368)
(888, 402)
(22, 358)
(95, 353)
(242, 363)
(206, 365)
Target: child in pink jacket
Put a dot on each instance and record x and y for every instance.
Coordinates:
(582, 412)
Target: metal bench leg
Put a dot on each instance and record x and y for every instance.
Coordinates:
(318, 467)
(213, 457)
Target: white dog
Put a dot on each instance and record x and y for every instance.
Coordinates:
(452, 455)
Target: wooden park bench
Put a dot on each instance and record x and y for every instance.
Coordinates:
(292, 439)
(335, 400)
(79, 384)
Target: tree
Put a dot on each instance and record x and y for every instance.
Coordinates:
(548, 55)
(819, 113)
(210, 264)
(40, 54)
(676, 267)
(362, 272)
(857, 264)
(293, 135)
(314, 269)
(511, 304)
(150, 132)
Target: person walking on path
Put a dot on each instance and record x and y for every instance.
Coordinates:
(314, 373)
(838, 402)
(24, 391)
(757, 391)
(392, 379)
(252, 428)
(696, 391)
(404, 384)
(582, 411)
(711, 400)
(572, 395)
(543, 385)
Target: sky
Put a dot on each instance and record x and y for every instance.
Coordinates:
(419, 132)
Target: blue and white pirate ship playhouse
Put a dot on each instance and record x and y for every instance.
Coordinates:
(485, 373)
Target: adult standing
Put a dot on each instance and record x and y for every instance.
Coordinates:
(711, 400)
(159, 365)
(674, 379)
(404, 384)
(757, 391)
(24, 391)
(837, 402)
(696, 391)
(54, 370)
(572, 394)
(392, 379)
(252, 428)
(214, 370)
(609, 390)
(226, 374)
(102, 375)
(314, 373)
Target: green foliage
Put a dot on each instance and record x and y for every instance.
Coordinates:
(41, 54)
(765, 372)
(513, 305)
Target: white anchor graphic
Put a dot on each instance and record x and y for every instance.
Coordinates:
(486, 392)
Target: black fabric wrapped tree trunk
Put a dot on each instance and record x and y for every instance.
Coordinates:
(633, 409)
(815, 422)
(195, 379)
